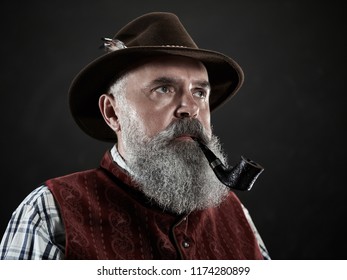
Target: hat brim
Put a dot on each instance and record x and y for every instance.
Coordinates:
(225, 77)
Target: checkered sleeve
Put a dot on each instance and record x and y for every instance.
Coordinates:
(35, 230)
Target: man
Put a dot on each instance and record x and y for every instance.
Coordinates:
(154, 195)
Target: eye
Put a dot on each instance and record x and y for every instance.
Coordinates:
(202, 94)
(164, 89)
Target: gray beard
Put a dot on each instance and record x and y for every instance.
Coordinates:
(172, 173)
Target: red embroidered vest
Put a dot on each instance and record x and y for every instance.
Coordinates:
(105, 217)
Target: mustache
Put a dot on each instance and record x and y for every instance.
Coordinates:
(184, 127)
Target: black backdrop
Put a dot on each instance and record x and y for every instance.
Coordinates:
(290, 114)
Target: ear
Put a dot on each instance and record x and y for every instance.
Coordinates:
(107, 106)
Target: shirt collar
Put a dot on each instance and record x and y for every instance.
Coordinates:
(117, 158)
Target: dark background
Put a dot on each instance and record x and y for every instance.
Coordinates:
(290, 115)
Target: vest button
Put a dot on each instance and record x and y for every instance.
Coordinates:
(185, 244)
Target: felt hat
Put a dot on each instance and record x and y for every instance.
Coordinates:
(150, 35)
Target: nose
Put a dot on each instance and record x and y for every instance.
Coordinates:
(187, 106)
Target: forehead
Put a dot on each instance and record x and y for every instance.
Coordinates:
(171, 65)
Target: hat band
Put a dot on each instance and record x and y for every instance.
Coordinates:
(174, 46)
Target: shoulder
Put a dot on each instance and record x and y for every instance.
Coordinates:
(38, 206)
(35, 230)
(233, 202)
(74, 178)
(37, 196)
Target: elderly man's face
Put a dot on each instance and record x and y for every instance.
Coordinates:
(160, 105)
(167, 101)
(166, 89)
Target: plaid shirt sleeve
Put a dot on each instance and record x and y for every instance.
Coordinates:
(35, 230)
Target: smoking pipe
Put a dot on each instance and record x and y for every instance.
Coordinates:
(240, 177)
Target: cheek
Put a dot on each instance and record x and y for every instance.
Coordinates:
(208, 129)
(155, 122)
(205, 119)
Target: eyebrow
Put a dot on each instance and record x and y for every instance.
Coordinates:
(173, 80)
(204, 84)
